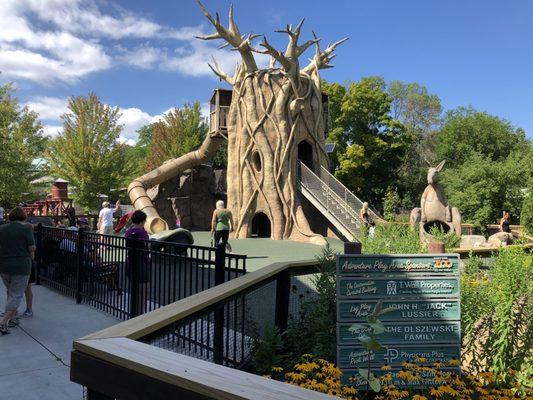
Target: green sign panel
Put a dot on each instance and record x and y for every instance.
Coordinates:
(394, 264)
(405, 310)
(421, 293)
(397, 287)
(402, 333)
(427, 378)
(357, 357)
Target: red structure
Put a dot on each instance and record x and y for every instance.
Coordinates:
(54, 204)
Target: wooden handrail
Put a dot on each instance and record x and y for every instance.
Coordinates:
(200, 377)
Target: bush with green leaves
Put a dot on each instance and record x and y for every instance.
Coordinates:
(526, 218)
(391, 239)
(391, 204)
(497, 312)
(450, 239)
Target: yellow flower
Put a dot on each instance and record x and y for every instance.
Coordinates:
(277, 369)
(454, 362)
(386, 367)
(421, 359)
(348, 390)
(307, 356)
(436, 392)
(419, 397)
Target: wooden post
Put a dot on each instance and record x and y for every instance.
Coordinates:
(352, 248)
(436, 248)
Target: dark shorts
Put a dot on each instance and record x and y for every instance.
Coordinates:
(221, 236)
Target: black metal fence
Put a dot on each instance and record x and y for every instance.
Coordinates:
(128, 277)
(228, 332)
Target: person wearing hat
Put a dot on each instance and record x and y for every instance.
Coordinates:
(105, 218)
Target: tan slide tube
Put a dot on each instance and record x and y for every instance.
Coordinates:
(137, 189)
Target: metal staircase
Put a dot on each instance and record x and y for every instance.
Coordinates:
(340, 206)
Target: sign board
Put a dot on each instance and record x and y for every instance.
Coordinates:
(355, 357)
(402, 333)
(406, 310)
(397, 287)
(423, 291)
(379, 264)
(427, 378)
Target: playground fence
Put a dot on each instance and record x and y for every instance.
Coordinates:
(128, 277)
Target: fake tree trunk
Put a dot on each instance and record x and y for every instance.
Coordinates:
(272, 111)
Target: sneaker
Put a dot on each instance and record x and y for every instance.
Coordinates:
(13, 322)
(4, 330)
(27, 314)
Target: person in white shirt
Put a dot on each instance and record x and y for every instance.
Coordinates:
(2, 211)
(105, 218)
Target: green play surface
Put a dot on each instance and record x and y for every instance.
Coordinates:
(261, 251)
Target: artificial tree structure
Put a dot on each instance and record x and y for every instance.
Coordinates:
(272, 111)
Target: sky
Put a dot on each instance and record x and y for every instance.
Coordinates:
(142, 56)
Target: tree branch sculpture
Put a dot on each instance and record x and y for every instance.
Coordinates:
(272, 111)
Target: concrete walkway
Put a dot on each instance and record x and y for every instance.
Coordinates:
(35, 357)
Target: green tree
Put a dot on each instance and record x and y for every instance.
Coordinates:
(137, 154)
(488, 163)
(181, 131)
(420, 113)
(370, 144)
(481, 187)
(21, 144)
(87, 152)
(466, 131)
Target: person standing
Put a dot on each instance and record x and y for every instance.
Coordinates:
(17, 250)
(105, 218)
(70, 211)
(364, 214)
(222, 224)
(137, 232)
(505, 222)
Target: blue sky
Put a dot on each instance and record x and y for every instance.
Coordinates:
(142, 57)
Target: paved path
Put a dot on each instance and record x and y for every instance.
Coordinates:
(35, 357)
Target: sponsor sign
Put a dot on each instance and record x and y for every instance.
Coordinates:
(402, 333)
(421, 293)
(405, 310)
(348, 265)
(397, 287)
(356, 356)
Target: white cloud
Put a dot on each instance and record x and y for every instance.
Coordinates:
(48, 108)
(80, 39)
(52, 130)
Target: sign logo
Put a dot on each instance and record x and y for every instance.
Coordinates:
(391, 355)
(392, 288)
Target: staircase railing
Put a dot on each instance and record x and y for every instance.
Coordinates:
(345, 194)
(329, 199)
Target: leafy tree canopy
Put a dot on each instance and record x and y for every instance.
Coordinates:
(21, 143)
(179, 132)
(87, 152)
(369, 143)
(466, 131)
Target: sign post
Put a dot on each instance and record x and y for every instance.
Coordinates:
(423, 292)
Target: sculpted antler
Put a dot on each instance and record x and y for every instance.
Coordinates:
(233, 38)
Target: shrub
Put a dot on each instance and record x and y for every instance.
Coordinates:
(497, 313)
(450, 239)
(526, 218)
(391, 203)
(392, 239)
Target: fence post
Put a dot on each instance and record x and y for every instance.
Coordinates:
(218, 336)
(133, 267)
(79, 264)
(39, 257)
(220, 264)
(283, 293)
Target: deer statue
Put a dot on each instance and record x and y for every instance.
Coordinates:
(434, 208)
